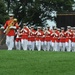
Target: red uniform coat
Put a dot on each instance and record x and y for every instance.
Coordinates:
(12, 31)
(68, 35)
(48, 36)
(25, 33)
(54, 36)
(62, 37)
(39, 35)
(18, 37)
(32, 35)
(73, 37)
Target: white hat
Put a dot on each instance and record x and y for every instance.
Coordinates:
(55, 28)
(68, 26)
(38, 27)
(24, 24)
(11, 14)
(58, 28)
(62, 28)
(32, 26)
(74, 28)
(48, 26)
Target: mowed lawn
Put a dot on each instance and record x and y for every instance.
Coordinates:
(36, 63)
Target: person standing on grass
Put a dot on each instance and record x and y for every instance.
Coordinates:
(39, 35)
(62, 39)
(68, 35)
(43, 42)
(18, 39)
(9, 29)
(32, 37)
(24, 36)
(54, 35)
(58, 40)
(47, 39)
(73, 39)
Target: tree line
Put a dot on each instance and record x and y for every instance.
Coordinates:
(33, 11)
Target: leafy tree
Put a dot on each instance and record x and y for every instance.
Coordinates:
(3, 14)
(36, 11)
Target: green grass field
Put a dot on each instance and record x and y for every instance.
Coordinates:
(36, 63)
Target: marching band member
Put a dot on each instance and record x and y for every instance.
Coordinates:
(29, 40)
(43, 41)
(24, 36)
(62, 39)
(73, 40)
(10, 26)
(18, 39)
(68, 35)
(38, 38)
(47, 38)
(58, 40)
(32, 37)
(54, 39)
(50, 37)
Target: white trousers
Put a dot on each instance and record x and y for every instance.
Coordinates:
(38, 45)
(54, 46)
(10, 42)
(18, 45)
(68, 46)
(48, 46)
(58, 48)
(24, 43)
(73, 46)
(51, 48)
(62, 46)
(31, 45)
(44, 45)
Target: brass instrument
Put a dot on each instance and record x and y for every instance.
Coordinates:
(11, 24)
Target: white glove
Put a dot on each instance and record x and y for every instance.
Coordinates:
(39, 33)
(56, 34)
(25, 30)
(4, 31)
(12, 27)
(2, 27)
(43, 35)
